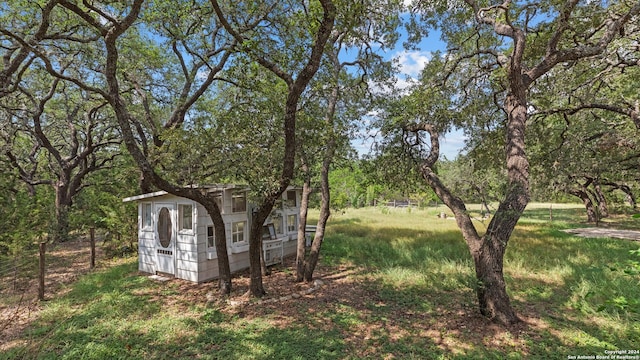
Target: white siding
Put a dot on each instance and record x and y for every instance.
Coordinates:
(190, 275)
(186, 255)
(191, 246)
(208, 270)
(146, 246)
(239, 261)
(289, 247)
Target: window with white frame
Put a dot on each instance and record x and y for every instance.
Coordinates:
(146, 216)
(291, 198)
(292, 223)
(238, 201)
(237, 232)
(211, 237)
(185, 216)
(277, 223)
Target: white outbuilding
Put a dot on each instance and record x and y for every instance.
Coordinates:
(176, 235)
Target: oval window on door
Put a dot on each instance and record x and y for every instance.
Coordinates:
(165, 230)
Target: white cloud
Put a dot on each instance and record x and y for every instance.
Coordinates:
(412, 62)
(403, 84)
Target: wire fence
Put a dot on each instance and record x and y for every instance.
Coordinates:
(17, 276)
(22, 277)
(16, 272)
(398, 203)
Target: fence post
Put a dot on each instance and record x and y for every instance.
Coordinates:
(43, 247)
(15, 273)
(92, 239)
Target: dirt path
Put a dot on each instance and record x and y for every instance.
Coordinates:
(604, 232)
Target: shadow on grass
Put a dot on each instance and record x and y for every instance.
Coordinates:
(116, 314)
(570, 283)
(255, 339)
(562, 279)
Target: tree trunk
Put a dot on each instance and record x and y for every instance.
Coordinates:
(62, 207)
(256, 288)
(488, 251)
(145, 184)
(124, 118)
(302, 225)
(325, 209)
(493, 299)
(592, 216)
(329, 153)
(296, 86)
(224, 270)
(631, 199)
(603, 208)
(314, 253)
(491, 291)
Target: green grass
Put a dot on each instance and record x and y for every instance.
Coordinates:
(115, 314)
(577, 286)
(414, 299)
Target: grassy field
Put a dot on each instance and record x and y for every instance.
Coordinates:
(398, 286)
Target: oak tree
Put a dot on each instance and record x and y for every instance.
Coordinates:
(506, 47)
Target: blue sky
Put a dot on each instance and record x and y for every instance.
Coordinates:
(411, 63)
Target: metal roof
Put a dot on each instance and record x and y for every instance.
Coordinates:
(209, 188)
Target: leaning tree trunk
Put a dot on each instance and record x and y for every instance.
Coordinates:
(488, 251)
(592, 215)
(325, 211)
(491, 292)
(296, 86)
(304, 206)
(493, 299)
(603, 208)
(519, 76)
(631, 199)
(329, 153)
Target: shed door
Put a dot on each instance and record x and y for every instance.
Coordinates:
(165, 234)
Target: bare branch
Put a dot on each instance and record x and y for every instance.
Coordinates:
(17, 63)
(561, 25)
(273, 67)
(633, 113)
(612, 27)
